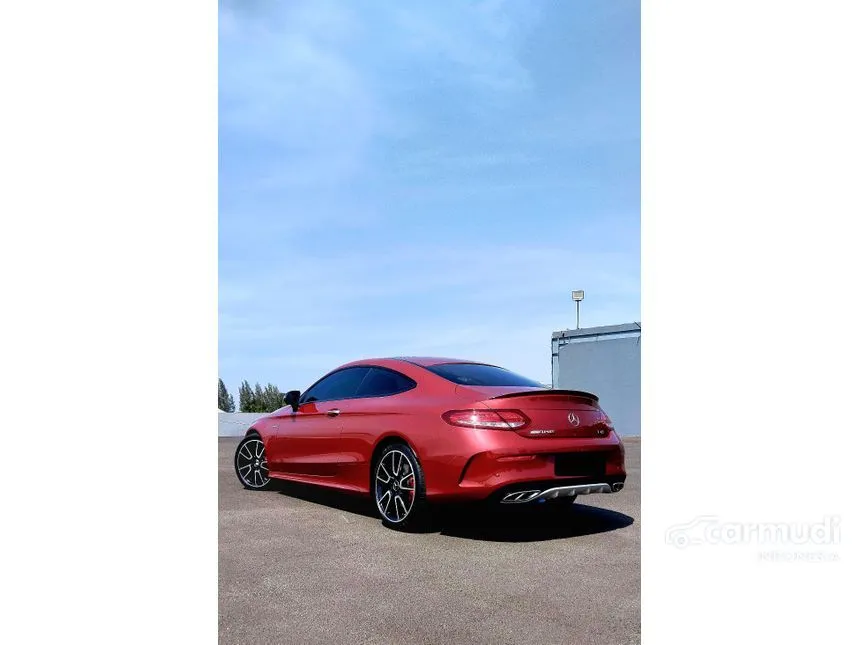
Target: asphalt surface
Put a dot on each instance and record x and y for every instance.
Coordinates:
(298, 565)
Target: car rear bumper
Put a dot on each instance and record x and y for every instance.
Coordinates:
(546, 468)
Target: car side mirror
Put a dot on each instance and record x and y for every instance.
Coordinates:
(291, 399)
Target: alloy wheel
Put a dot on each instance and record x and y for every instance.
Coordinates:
(251, 464)
(395, 486)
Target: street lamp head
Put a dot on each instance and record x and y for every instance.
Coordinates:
(578, 295)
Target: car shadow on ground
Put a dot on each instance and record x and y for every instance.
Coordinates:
(533, 523)
(342, 501)
(550, 521)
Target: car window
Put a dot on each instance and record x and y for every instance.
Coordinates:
(384, 382)
(481, 375)
(338, 385)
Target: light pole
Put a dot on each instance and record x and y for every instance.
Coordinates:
(578, 296)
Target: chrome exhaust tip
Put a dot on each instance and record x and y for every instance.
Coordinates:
(520, 496)
(617, 486)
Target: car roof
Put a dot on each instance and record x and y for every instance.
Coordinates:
(422, 361)
(427, 361)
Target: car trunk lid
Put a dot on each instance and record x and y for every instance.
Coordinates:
(552, 413)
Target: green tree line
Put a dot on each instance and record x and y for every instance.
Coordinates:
(225, 399)
(256, 399)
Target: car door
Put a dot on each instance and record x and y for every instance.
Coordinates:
(307, 442)
(375, 409)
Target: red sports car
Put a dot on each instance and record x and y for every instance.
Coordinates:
(416, 431)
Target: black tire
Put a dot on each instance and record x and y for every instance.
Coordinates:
(392, 497)
(250, 463)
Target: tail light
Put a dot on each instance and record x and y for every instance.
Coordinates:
(605, 420)
(487, 419)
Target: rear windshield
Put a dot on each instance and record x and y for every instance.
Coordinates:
(476, 374)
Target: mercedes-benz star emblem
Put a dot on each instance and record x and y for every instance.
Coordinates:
(574, 420)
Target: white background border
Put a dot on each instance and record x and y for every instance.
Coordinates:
(108, 262)
(749, 263)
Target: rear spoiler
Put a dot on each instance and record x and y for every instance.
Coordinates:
(577, 393)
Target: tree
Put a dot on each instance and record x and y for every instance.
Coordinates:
(225, 399)
(259, 403)
(272, 398)
(246, 398)
(258, 399)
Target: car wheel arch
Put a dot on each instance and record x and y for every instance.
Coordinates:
(387, 440)
(262, 436)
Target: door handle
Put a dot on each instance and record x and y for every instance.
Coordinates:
(333, 412)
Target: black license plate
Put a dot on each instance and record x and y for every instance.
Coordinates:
(580, 464)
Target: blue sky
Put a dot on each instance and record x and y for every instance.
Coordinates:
(426, 178)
